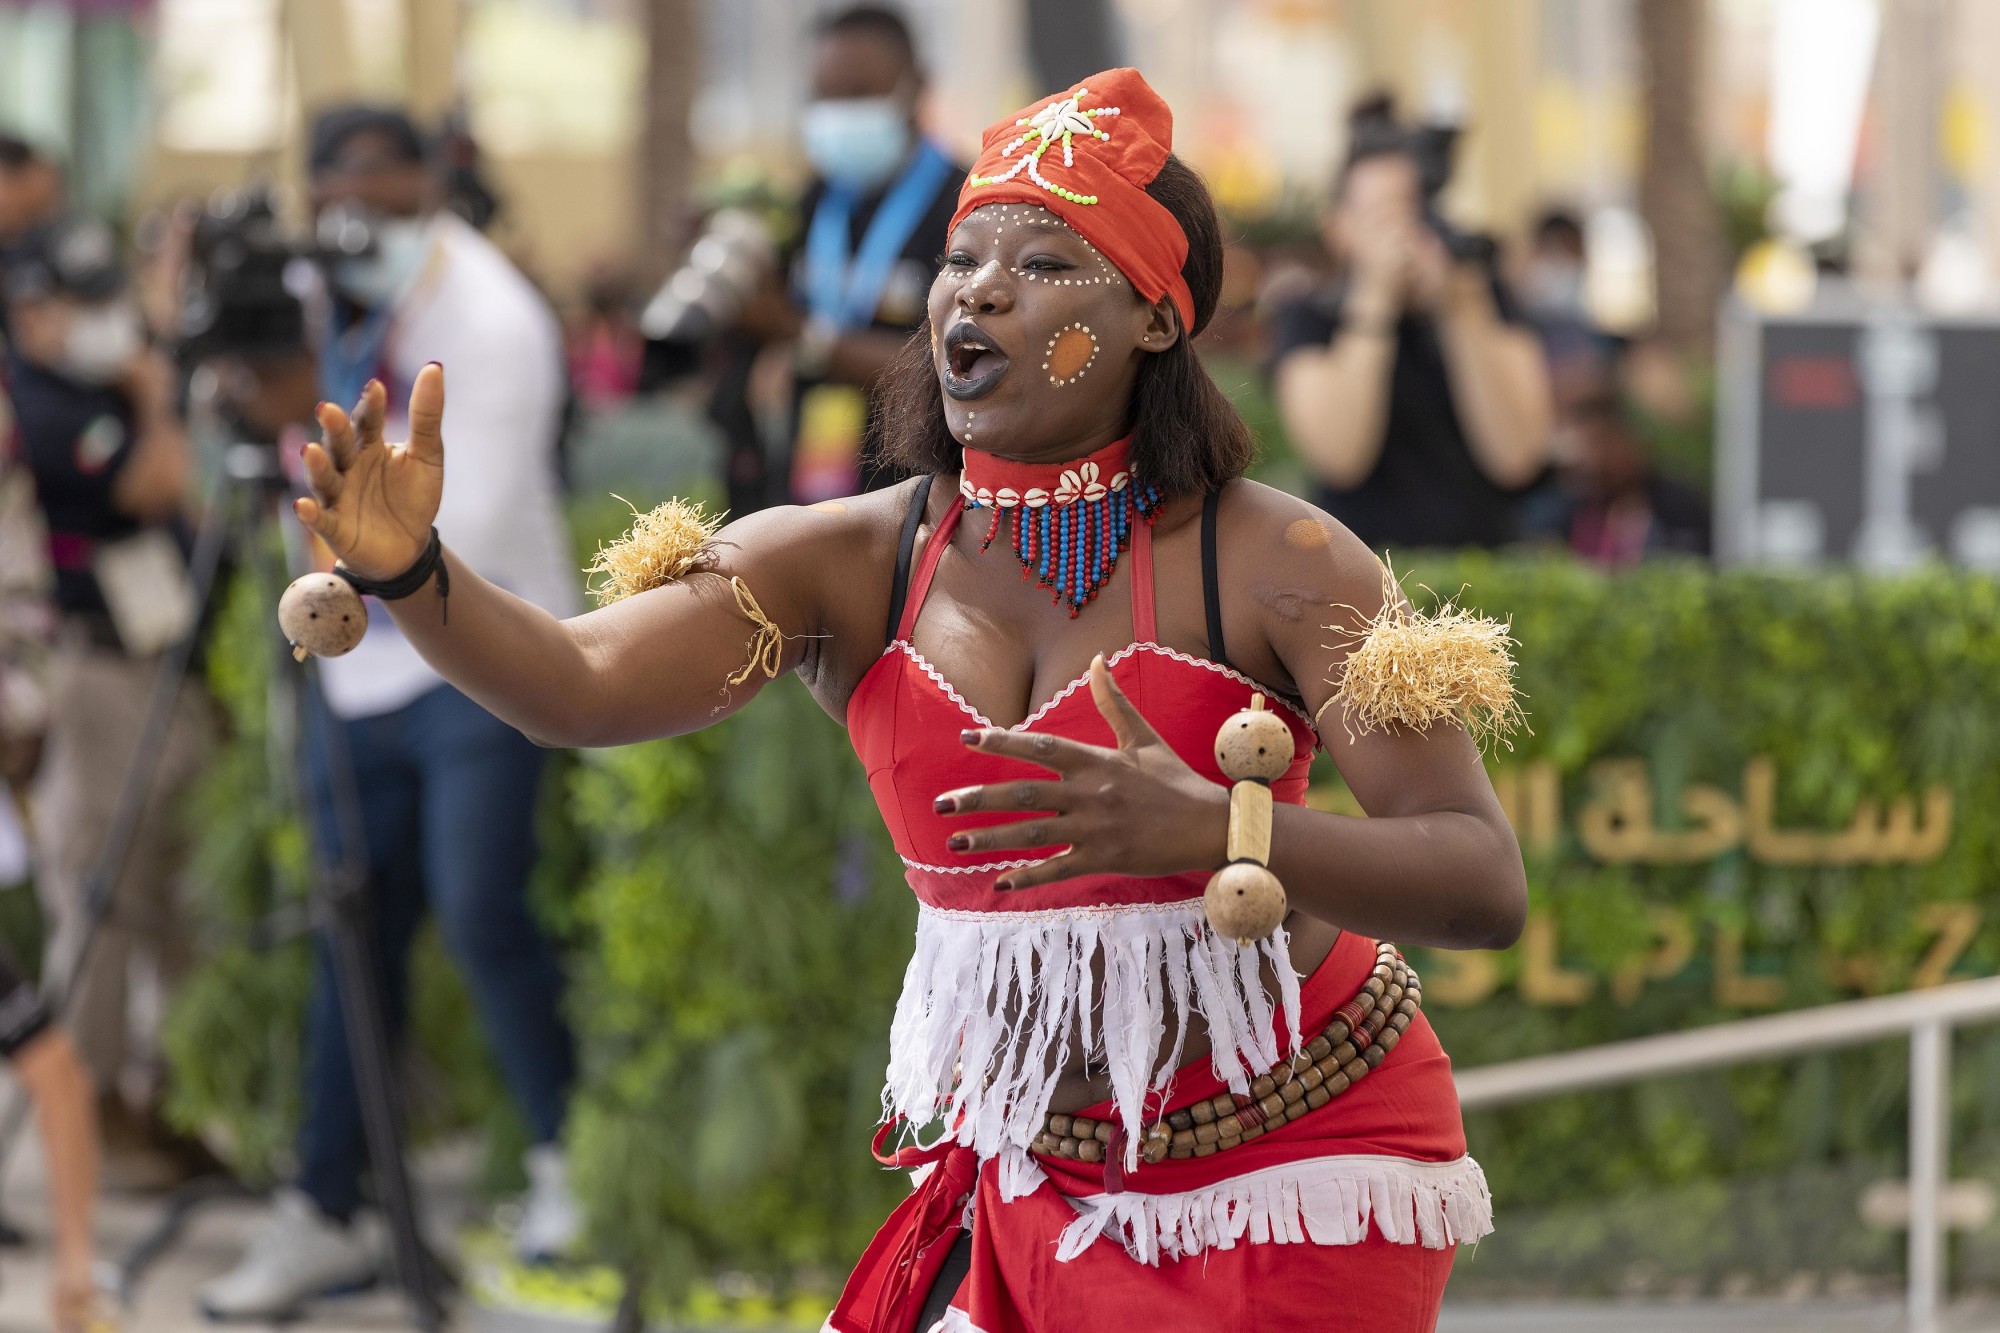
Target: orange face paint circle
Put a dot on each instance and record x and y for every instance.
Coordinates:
(1070, 352)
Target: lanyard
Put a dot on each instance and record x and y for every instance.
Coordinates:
(844, 288)
(349, 357)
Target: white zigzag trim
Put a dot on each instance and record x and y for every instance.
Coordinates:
(1042, 914)
(1015, 864)
(951, 691)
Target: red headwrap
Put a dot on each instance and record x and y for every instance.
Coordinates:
(1087, 156)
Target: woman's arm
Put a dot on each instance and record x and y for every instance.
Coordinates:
(654, 664)
(1499, 382)
(1335, 399)
(1435, 862)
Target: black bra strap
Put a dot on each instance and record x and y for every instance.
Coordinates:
(1211, 583)
(905, 552)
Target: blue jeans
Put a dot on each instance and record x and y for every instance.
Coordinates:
(446, 798)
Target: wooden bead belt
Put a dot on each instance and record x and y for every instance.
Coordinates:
(1362, 1032)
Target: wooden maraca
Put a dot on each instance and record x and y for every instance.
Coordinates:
(1244, 899)
(322, 614)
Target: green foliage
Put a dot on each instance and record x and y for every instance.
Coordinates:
(234, 1035)
(749, 930)
(1858, 689)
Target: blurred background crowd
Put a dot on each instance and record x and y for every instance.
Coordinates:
(1599, 282)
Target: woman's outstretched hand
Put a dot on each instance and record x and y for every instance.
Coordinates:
(373, 502)
(1136, 809)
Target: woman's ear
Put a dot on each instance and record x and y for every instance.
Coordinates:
(1162, 328)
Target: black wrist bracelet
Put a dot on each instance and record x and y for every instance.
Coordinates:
(430, 564)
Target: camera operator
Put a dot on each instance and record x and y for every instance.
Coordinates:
(446, 793)
(1408, 386)
(99, 430)
(874, 218)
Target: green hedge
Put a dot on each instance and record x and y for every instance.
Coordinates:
(740, 931)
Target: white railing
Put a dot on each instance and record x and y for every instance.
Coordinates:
(1926, 1016)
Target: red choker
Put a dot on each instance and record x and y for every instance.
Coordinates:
(1074, 518)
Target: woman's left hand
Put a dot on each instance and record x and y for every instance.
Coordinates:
(1136, 809)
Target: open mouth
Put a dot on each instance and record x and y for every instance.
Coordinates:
(973, 362)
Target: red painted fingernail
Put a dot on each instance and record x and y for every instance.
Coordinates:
(944, 805)
(1003, 884)
(958, 842)
(970, 737)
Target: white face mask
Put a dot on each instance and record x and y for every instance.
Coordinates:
(101, 343)
(1554, 286)
(378, 280)
(857, 142)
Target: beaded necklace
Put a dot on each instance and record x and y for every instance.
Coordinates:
(1073, 519)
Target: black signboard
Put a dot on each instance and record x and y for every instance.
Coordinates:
(1867, 434)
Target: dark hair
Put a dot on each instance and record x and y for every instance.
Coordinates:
(1557, 223)
(16, 152)
(1187, 438)
(1374, 130)
(333, 127)
(877, 21)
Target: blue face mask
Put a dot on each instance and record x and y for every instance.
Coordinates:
(857, 142)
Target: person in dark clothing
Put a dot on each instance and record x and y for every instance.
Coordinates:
(1606, 502)
(874, 220)
(100, 434)
(1408, 385)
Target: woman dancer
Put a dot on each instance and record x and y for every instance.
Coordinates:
(1137, 1120)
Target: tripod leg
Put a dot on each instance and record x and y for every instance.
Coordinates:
(374, 1076)
(343, 891)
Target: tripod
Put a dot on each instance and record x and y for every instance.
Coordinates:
(240, 507)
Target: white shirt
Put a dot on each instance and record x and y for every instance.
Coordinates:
(501, 348)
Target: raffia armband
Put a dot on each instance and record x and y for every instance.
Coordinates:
(666, 544)
(1411, 669)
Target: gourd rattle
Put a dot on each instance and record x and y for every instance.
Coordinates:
(322, 614)
(1244, 899)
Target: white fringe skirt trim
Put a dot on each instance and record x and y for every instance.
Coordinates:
(993, 1003)
(1322, 1200)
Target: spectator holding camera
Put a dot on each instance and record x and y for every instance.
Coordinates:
(1408, 385)
(101, 437)
(874, 223)
(444, 792)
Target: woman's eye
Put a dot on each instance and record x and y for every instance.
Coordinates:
(959, 259)
(1043, 264)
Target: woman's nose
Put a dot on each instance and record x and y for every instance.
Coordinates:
(987, 291)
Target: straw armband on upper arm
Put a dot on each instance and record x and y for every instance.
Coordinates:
(665, 545)
(1411, 669)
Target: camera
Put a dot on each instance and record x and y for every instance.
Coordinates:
(723, 270)
(241, 294)
(1374, 128)
(1434, 148)
(244, 289)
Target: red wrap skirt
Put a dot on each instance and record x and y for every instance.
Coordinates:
(1348, 1217)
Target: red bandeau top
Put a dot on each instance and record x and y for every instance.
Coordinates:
(905, 717)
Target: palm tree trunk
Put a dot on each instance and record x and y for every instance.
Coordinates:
(666, 147)
(1674, 192)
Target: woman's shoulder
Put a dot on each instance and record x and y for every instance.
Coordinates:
(1290, 549)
